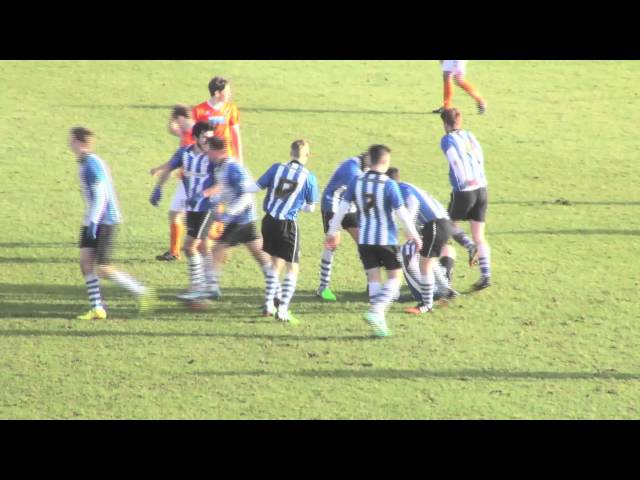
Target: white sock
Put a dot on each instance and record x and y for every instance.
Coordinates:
(374, 290)
(386, 296)
(127, 282)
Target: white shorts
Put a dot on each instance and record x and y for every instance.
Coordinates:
(179, 201)
(457, 67)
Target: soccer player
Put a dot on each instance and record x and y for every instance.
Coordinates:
(469, 197)
(230, 188)
(101, 219)
(377, 198)
(291, 187)
(197, 176)
(455, 70)
(331, 196)
(223, 116)
(180, 124)
(435, 232)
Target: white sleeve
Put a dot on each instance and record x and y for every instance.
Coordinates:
(455, 162)
(335, 225)
(252, 188)
(309, 207)
(410, 228)
(412, 206)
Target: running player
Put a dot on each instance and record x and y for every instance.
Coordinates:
(101, 219)
(291, 187)
(377, 198)
(469, 197)
(435, 232)
(347, 171)
(197, 176)
(456, 70)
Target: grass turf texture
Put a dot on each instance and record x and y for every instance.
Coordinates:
(556, 337)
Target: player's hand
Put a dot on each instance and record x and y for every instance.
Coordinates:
(92, 230)
(332, 241)
(156, 195)
(153, 171)
(193, 201)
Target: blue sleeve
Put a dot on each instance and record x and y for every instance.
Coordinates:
(265, 180)
(404, 191)
(350, 193)
(236, 178)
(94, 172)
(176, 160)
(445, 143)
(394, 195)
(353, 171)
(312, 193)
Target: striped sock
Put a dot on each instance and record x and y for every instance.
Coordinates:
(211, 275)
(439, 273)
(196, 273)
(386, 296)
(325, 268)
(462, 238)
(127, 282)
(288, 288)
(426, 288)
(93, 290)
(484, 254)
(271, 285)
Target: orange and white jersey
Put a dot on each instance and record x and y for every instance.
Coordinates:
(457, 67)
(222, 121)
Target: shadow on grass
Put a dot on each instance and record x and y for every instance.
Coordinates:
(463, 375)
(577, 231)
(563, 203)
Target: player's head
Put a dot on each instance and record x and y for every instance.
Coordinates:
(365, 161)
(81, 140)
(216, 149)
(300, 151)
(200, 132)
(380, 157)
(219, 89)
(394, 174)
(452, 119)
(181, 115)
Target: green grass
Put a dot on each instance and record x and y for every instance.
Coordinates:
(557, 337)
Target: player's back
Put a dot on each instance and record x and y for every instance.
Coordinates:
(376, 197)
(338, 183)
(289, 187)
(466, 160)
(429, 208)
(239, 204)
(197, 174)
(94, 170)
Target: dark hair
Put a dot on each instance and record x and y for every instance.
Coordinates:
(451, 117)
(199, 128)
(81, 134)
(393, 173)
(376, 152)
(217, 84)
(216, 143)
(180, 110)
(297, 146)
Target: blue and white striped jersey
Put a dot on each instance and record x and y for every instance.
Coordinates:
(197, 175)
(422, 206)
(466, 161)
(376, 197)
(341, 178)
(98, 192)
(239, 205)
(290, 186)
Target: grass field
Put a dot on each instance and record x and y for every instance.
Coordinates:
(556, 337)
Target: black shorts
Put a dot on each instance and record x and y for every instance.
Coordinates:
(103, 243)
(237, 233)
(435, 235)
(469, 205)
(375, 256)
(281, 239)
(199, 224)
(350, 220)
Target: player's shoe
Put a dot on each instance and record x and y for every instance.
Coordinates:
(326, 294)
(192, 295)
(438, 110)
(167, 257)
(377, 322)
(482, 108)
(450, 294)
(419, 309)
(473, 256)
(285, 316)
(147, 301)
(484, 282)
(213, 293)
(97, 313)
(269, 310)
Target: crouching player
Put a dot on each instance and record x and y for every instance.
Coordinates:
(99, 228)
(435, 233)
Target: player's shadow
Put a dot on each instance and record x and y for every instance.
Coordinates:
(462, 375)
(576, 231)
(563, 202)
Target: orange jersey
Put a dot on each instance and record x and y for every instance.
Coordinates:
(222, 121)
(186, 139)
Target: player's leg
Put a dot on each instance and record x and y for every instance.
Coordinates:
(447, 93)
(447, 261)
(176, 225)
(389, 258)
(459, 209)
(477, 217)
(289, 250)
(326, 264)
(471, 90)
(92, 282)
(213, 255)
(197, 222)
(272, 286)
(411, 269)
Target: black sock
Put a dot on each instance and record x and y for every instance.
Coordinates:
(447, 263)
